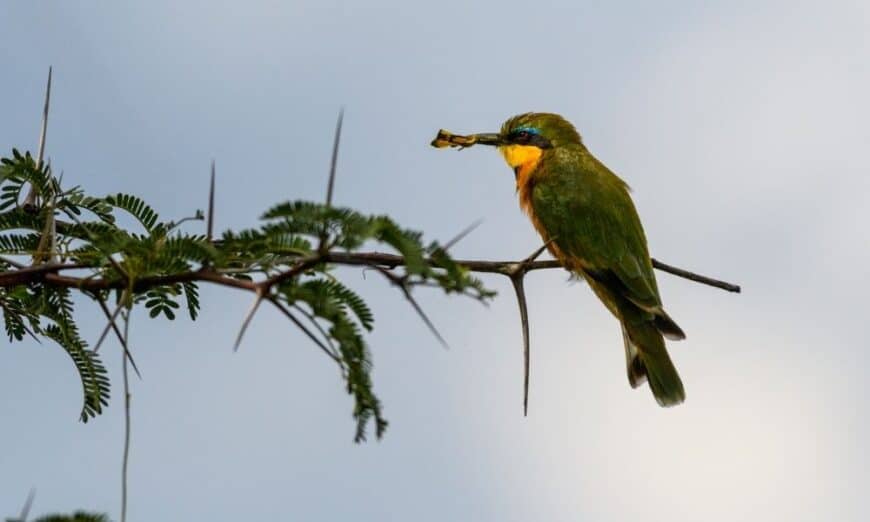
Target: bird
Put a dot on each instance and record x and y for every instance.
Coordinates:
(588, 221)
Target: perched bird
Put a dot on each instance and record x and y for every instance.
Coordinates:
(585, 214)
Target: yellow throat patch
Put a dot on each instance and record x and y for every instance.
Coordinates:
(522, 158)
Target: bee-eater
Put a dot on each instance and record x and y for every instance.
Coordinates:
(585, 214)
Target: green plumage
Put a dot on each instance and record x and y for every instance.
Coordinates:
(585, 210)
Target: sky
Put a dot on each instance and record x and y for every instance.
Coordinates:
(741, 127)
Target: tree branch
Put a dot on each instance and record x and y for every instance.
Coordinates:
(48, 273)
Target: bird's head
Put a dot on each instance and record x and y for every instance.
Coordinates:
(523, 139)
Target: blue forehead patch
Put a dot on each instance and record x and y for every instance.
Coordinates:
(530, 130)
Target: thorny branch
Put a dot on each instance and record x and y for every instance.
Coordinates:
(382, 262)
(49, 273)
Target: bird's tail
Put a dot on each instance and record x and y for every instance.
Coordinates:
(648, 359)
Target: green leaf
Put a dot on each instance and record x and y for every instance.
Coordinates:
(76, 199)
(136, 207)
(191, 295)
(95, 384)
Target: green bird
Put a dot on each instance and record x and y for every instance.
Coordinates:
(585, 215)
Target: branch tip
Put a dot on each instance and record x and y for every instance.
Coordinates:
(334, 162)
(118, 334)
(210, 223)
(517, 281)
(248, 317)
(29, 204)
(691, 276)
(305, 330)
(403, 285)
(460, 236)
(28, 503)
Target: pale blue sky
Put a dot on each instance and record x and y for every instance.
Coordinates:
(741, 126)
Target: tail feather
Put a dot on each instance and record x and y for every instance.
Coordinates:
(643, 331)
(634, 366)
(648, 359)
(667, 326)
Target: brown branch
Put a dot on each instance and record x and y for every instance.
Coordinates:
(33, 274)
(691, 276)
(302, 265)
(140, 285)
(506, 267)
(48, 273)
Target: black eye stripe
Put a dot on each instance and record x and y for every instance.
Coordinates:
(524, 137)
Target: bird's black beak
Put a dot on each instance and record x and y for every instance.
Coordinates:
(448, 139)
(489, 138)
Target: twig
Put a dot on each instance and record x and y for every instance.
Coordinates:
(304, 329)
(334, 162)
(210, 226)
(302, 265)
(517, 278)
(248, 317)
(324, 246)
(685, 274)
(198, 216)
(505, 267)
(112, 261)
(28, 503)
(118, 334)
(517, 282)
(29, 204)
(126, 458)
(109, 325)
(403, 285)
(313, 320)
(460, 236)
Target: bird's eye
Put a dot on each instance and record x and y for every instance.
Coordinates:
(523, 135)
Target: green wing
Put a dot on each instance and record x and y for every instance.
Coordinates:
(588, 211)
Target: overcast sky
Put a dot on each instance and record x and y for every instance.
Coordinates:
(741, 126)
